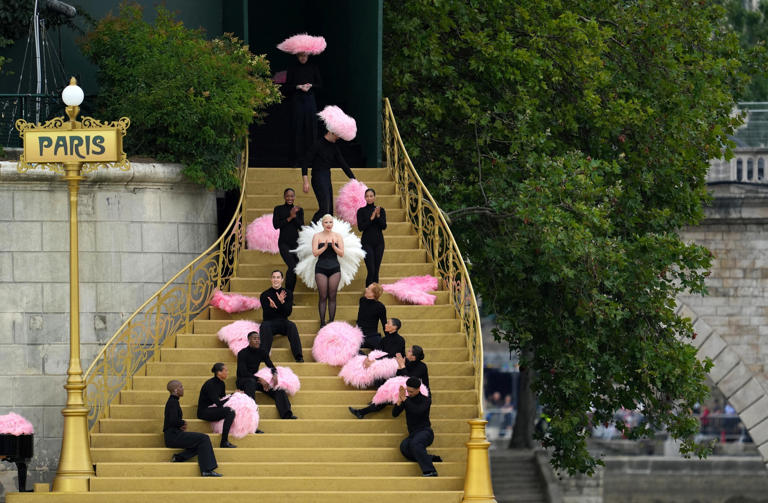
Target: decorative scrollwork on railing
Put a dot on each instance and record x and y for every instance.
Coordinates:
(435, 236)
(169, 310)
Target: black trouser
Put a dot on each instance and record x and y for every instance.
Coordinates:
(250, 385)
(290, 259)
(321, 185)
(304, 119)
(193, 444)
(371, 341)
(270, 328)
(217, 414)
(373, 256)
(372, 407)
(414, 448)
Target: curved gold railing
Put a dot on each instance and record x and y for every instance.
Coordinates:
(436, 237)
(171, 309)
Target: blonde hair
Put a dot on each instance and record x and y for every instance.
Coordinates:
(377, 290)
(326, 215)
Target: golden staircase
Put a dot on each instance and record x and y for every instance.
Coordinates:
(327, 455)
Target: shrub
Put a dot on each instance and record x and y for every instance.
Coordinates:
(190, 100)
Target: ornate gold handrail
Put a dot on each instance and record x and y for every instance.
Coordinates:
(435, 235)
(171, 309)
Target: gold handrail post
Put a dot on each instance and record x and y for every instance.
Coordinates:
(477, 478)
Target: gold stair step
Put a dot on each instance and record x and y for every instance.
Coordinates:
(387, 270)
(284, 356)
(256, 187)
(424, 340)
(347, 297)
(393, 214)
(179, 370)
(312, 326)
(390, 256)
(309, 203)
(278, 175)
(349, 312)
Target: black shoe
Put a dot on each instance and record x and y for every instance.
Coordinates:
(429, 474)
(259, 432)
(290, 417)
(174, 459)
(210, 474)
(300, 359)
(356, 413)
(227, 445)
(322, 323)
(436, 459)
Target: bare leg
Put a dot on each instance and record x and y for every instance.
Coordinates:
(322, 293)
(333, 286)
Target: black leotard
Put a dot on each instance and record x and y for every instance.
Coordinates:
(327, 262)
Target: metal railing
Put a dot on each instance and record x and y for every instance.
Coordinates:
(435, 236)
(170, 310)
(31, 107)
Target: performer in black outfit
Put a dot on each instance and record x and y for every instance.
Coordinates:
(323, 156)
(289, 219)
(212, 393)
(277, 304)
(176, 436)
(392, 343)
(327, 246)
(420, 434)
(372, 220)
(248, 361)
(369, 313)
(410, 366)
(301, 82)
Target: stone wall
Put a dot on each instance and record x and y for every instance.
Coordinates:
(137, 229)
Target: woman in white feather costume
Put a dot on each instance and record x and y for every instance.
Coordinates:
(329, 256)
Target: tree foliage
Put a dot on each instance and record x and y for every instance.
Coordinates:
(752, 27)
(569, 143)
(190, 100)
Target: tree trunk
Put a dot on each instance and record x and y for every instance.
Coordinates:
(522, 437)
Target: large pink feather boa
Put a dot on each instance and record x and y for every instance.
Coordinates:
(286, 379)
(14, 424)
(261, 235)
(234, 302)
(246, 416)
(413, 289)
(336, 343)
(351, 198)
(235, 335)
(355, 374)
(389, 392)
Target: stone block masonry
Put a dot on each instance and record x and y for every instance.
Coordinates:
(136, 230)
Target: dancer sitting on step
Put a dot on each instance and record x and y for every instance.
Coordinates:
(409, 366)
(289, 219)
(176, 436)
(372, 220)
(276, 306)
(420, 434)
(327, 246)
(212, 393)
(249, 359)
(392, 343)
(369, 313)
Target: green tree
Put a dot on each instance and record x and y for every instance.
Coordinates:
(569, 142)
(751, 25)
(190, 99)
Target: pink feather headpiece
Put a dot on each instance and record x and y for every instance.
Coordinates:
(338, 123)
(302, 43)
(14, 424)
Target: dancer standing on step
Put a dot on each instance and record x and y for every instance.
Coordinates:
(372, 220)
(327, 246)
(176, 435)
(420, 434)
(301, 81)
(249, 359)
(276, 306)
(289, 219)
(212, 393)
(369, 313)
(324, 155)
(411, 365)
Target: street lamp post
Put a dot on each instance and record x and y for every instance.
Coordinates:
(73, 148)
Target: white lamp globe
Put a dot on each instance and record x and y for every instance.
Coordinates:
(72, 95)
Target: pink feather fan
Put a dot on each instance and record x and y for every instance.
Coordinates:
(303, 43)
(389, 392)
(413, 289)
(351, 198)
(355, 374)
(233, 302)
(235, 335)
(286, 379)
(339, 123)
(336, 343)
(14, 424)
(261, 235)
(246, 416)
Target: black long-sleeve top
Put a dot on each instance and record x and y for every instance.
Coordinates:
(211, 393)
(322, 156)
(173, 418)
(392, 344)
(371, 229)
(298, 74)
(249, 359)
(416, 412)
(415, 369)
(289, 229)
(369, 313)
(283, 310)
